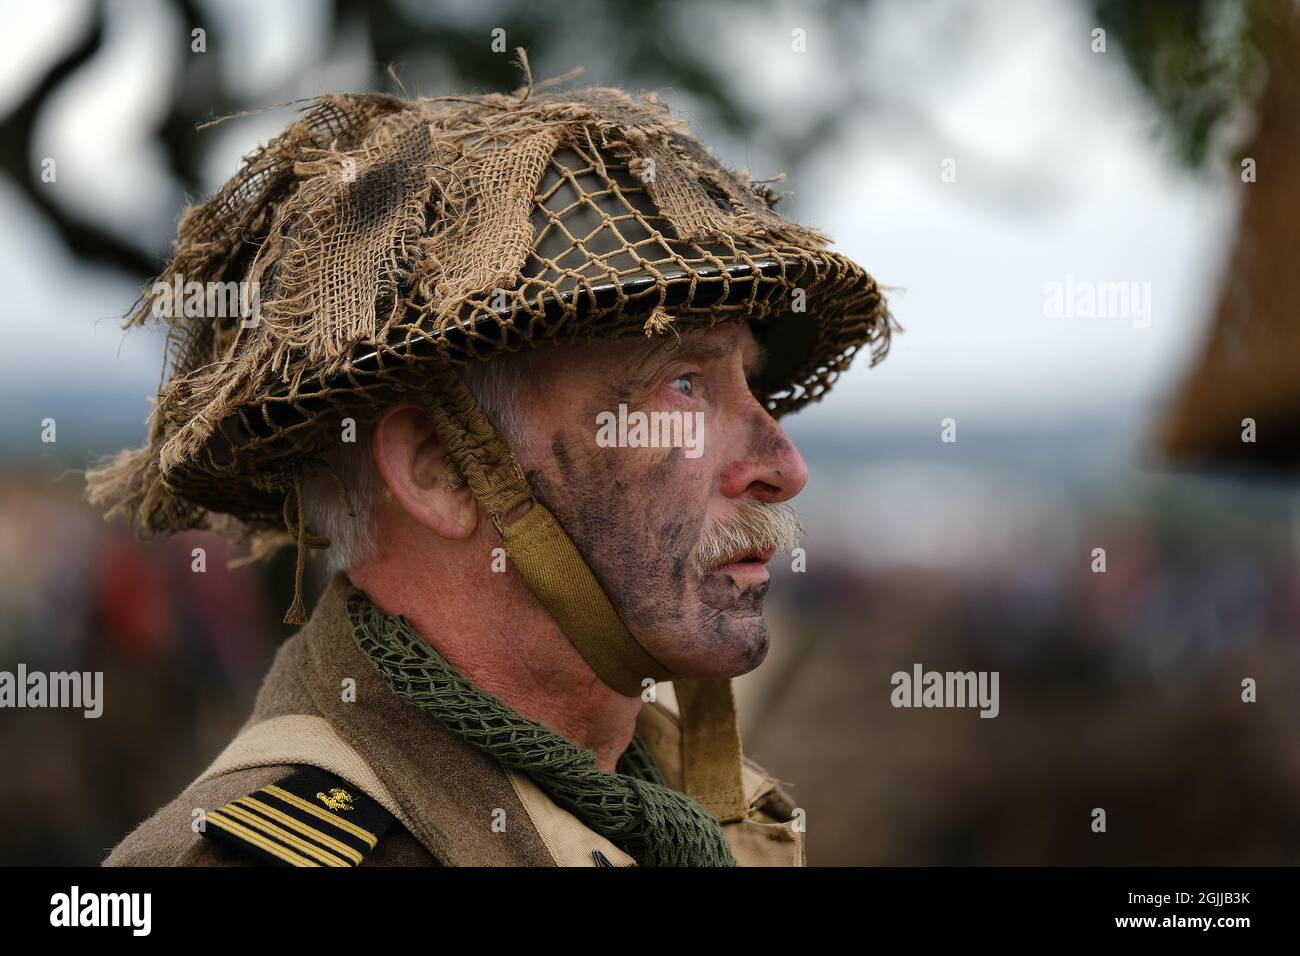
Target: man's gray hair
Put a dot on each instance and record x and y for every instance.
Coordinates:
(499, 385)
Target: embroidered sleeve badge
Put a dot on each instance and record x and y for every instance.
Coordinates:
(310, 818)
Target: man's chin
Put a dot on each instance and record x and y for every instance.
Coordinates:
(750, 648)
(726, 646)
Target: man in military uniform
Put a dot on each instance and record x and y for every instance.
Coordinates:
(458, 298)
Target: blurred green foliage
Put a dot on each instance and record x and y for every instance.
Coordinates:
(1202, 62)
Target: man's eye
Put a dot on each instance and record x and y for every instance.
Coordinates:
(685, 384)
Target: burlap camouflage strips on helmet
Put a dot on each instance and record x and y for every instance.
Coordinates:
(386, 233)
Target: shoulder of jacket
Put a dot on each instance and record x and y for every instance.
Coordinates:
(170, 836)
(282, 815)
(311, 817)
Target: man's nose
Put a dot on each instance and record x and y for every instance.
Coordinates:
(770, 468)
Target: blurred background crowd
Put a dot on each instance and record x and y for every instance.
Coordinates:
(1119, 690)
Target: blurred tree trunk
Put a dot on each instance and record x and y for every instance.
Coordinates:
(1250, 367)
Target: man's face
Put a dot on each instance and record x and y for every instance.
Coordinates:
(644, 517)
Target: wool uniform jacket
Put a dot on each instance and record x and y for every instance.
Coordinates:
(399, 788)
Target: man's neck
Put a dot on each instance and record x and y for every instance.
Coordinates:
(510, 647)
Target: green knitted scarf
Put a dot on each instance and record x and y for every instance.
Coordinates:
(632, 808)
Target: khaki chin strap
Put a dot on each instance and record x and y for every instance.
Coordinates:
(711, 772)
(550, 564)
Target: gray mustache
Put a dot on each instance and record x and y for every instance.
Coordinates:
(753, 527)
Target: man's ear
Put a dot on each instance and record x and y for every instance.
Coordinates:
(412, 460)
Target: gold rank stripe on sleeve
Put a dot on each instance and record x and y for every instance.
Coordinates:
(215, 818)
(337, 846)
(310, 818)
(301, 804)
(267, 828)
